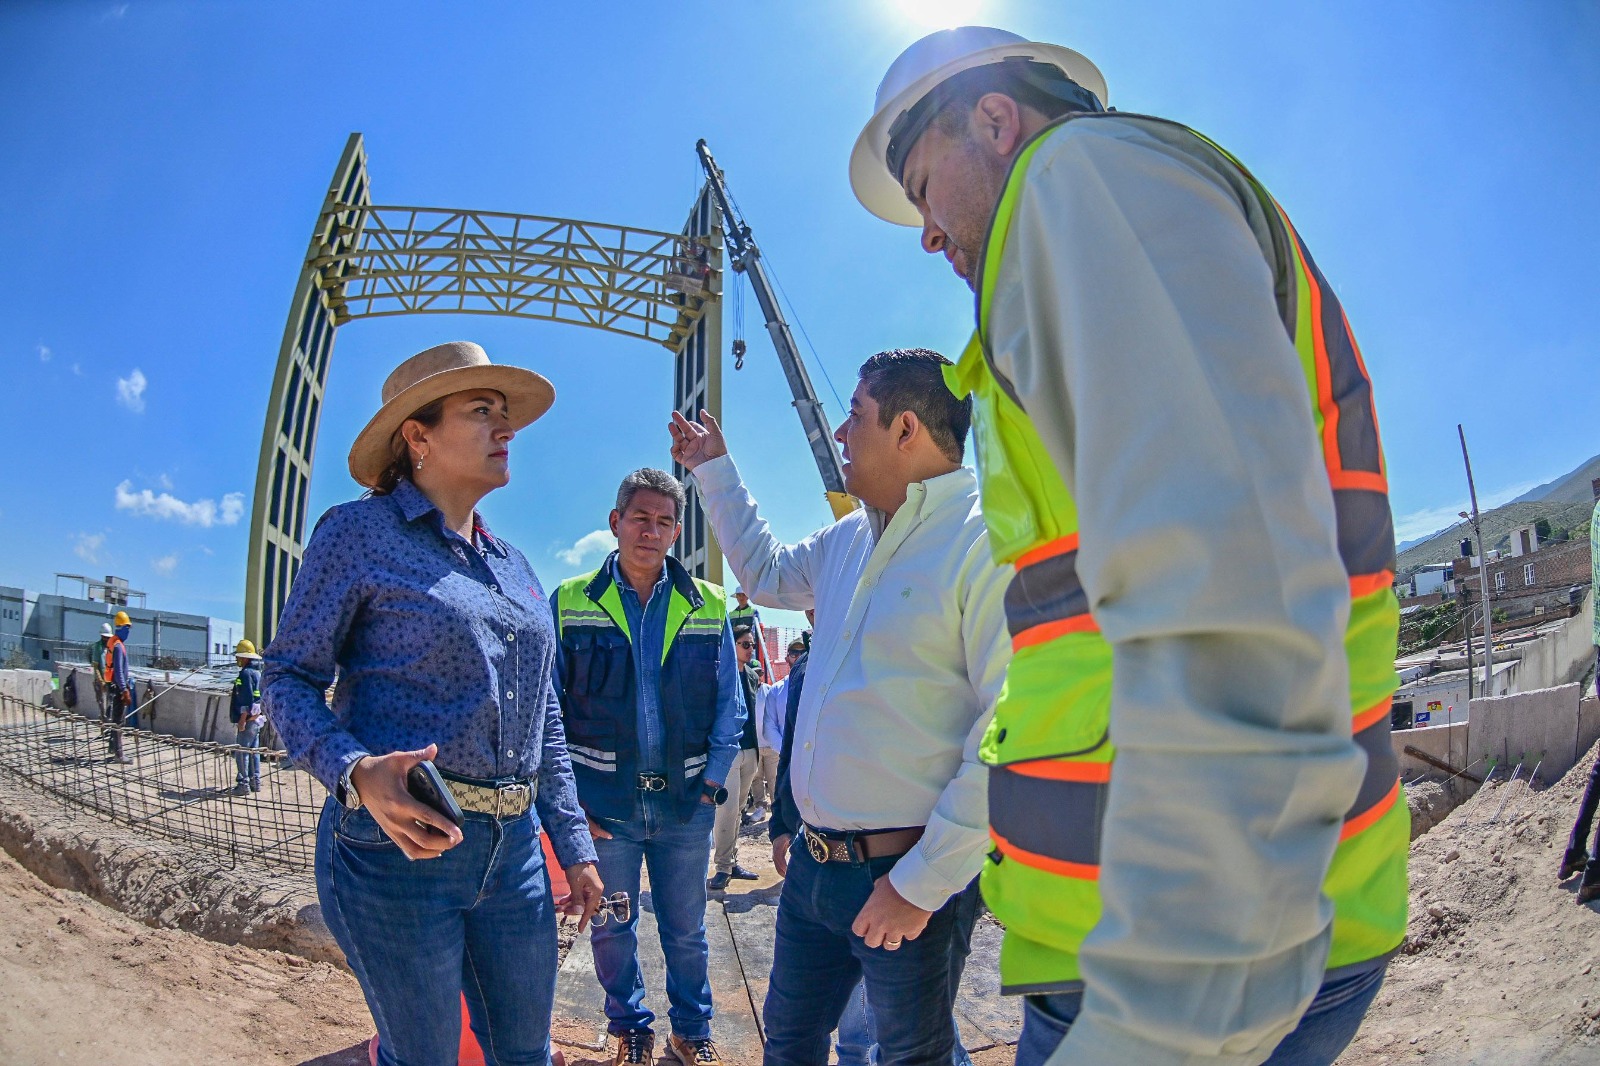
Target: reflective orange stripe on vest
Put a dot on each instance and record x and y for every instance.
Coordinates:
(1045, 599)
(1067, 841)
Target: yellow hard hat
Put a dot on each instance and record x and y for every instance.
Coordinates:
(121, 619)
(245, 649)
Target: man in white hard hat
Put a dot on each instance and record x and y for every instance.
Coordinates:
(1199, 839)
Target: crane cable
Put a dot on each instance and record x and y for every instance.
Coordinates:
(794, 317)
(739, 346)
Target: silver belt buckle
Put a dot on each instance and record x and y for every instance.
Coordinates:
(504, 794)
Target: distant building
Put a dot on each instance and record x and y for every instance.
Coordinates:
(1531, 583)
(777, 641)
(1435, 580)
(48, 627)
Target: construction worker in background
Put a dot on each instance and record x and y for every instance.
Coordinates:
(97, 658)
(247, 716)
(744, 612)
(773, 707)
(1180, 458)
(745, 770)
(121, 693)
(1580, 856)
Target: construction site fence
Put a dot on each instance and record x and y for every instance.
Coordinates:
(172, 787)
(44, 654)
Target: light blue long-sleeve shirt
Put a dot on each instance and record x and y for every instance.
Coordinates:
(647, 623)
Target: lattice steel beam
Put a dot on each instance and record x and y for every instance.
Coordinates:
(414, 260)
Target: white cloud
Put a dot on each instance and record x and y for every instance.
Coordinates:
(164, 481)
(130, 390)
(166, 566)
(88, 546)
(1433, 519)
(203, 513)
(77, 371)
(115, 11)
(45, 354)
(590, 545)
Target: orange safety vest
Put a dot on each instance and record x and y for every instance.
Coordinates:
(107, 662)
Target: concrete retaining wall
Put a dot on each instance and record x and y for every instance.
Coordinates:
(1543, 727)
(1559, 658)
(1447, 743)
(30, 685)
(199, 713)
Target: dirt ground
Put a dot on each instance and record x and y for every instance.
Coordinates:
(1501, 965)
(83, 984)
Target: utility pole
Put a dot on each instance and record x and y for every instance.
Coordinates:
(1483, 575)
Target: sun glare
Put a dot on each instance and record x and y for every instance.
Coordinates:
(941, 14)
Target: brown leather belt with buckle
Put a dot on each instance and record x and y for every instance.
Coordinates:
(510, 800)
(836, 847)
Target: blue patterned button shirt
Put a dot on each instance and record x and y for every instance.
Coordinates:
(435, 641)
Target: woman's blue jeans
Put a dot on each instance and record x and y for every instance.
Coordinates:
(477, 920)
(1325, 1030)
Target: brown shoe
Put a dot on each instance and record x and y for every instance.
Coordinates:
(636, 1047)
(694, 1052)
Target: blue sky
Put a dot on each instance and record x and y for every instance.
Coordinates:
(163, 163)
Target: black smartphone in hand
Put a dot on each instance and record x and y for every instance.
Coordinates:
(427, 787)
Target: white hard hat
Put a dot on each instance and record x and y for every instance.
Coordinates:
(918, 69)
(105, 629)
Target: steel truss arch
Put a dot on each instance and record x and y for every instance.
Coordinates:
(370, 261)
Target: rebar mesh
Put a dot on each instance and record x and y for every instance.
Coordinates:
(171, 787)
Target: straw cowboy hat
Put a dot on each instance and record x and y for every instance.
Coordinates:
(448, 368)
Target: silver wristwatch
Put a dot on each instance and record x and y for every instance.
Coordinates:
(347, 793)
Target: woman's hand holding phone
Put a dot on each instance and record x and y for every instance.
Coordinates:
(381, 782)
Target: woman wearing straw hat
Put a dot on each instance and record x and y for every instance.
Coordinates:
(443, 645)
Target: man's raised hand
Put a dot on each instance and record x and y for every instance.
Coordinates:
(694, 443)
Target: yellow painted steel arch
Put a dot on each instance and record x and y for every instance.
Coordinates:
(370, 261)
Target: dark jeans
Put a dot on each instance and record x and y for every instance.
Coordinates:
(1579, 840)
(675, 854)
(817, 961)
(1325, 1030)
(119, 717)
(477, 920)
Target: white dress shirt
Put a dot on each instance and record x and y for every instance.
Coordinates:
(907, 659)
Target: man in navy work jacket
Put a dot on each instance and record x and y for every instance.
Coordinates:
(651, 698)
